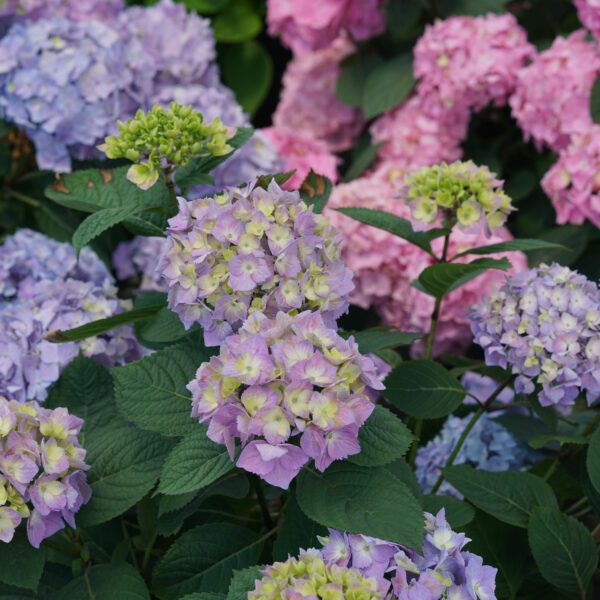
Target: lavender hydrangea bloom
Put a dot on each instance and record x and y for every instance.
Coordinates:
(442, 569)
(139, 258)
(544, 324)
(482, 387)
(67, 83)
(488, 447)
(42, 470)
(73, 10)
(290, 389)
(251, 249)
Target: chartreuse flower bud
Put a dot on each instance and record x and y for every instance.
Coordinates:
(308, 576)
(460, 193)
(164, 139)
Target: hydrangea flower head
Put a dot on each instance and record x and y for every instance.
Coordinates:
(544, 324)
(589, 15)
(290, 389)
(441, 569)
(309, 576)
(165, 139)
(66, 83)
(81, 10)
(488, 447)
(42, 470)
(551, 101)
(251, 249)
(461, 193)
(573, 182)
(306, 25)
(469, 61)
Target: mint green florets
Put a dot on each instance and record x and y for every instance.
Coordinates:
(164, 139)
(308, 577)
(460, 193)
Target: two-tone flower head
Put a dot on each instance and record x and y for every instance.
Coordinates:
(161, 140)
(248, 249)
(589, 15)
(66, 83)
(573, 182)
(488, 447)
(441, 569)
(551, 102)
(544, 325)
(290, 389)
(42, 470)
(309, 576)
(460, 193)
(469, 61)
(306, 25)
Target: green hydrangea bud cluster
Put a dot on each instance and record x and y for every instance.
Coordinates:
(460, 193)
(164, 139)
(308, 577)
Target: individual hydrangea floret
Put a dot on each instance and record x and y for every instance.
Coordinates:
(469, 62)
(165, 139)
(573, 182)
(552, 99)
(249, 249)
(589, 15)
(488, 447)
(66, 83)
(73, 10)
(544, 325)
(42, 470)
(306, 25)
(290, 389)
(461, 193)
(442, 569)
(309, 576)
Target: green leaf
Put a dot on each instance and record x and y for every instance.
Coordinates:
(383, 439)
(126, 462)
(102, 325)
(152, 392)
(353, 77)
(248, 71)
(458, 512)
(380, 338)
(362, 158)
(523, 245)
(595, 101)
(389, 222)
(315, 191)
(470, 7)
(439, 279)
(297, 532)
(539, 441)
(263, 181)
(204, 596)
(402, 471)
(563, 549)
(523, 427)
(508, 496)
(403, 18)
(593, 460)
(162, 329)
(521, 184)
(243, 582)
(206, 7)
(194, 463)
(20, 563)
(238, 22)
(573, 237)
(119, 581)
(203, 560)
(366, 500)
(388, 85)
(423, 389)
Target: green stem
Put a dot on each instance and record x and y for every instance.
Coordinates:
(577, 505)
(461, 440)
(148, 551)
(23, 198)
(262, 501)
(49, 543)
(551, 469)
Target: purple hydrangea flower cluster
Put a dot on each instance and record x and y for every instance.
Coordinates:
(441, 570)
(488, 447)
(481, 387)
(42, 468)
(74, 10)
(139, 258)
(545, 325)
(289, 389)
(247, 249)
(67, 83)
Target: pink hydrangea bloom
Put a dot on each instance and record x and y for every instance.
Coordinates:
(470, 61)
(573, 182)
(324, 117)
(303, 153)
(551, 101)
(306, 25)
(411, 138)
(589, 15)
(385, 265)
